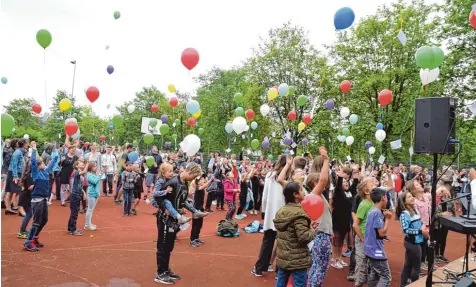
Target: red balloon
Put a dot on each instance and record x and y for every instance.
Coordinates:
(102, 138)
(190, 58)
(154, 108)
(307, 119)
(173, 101)
(385, 97)
(292, 115)
(345, 86)
(250, 114)
(36, 109)
(70, 128)
(313, 205)
(86, 144)
(191, 121)
(472, 18)
(92, 93)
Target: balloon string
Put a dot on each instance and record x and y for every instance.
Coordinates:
(44, 74)
(401, 23)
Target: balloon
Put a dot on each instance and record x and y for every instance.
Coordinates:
(345, 131)
(292, 90)
(190, 144)
(304, 142)
(102, 138)
(110, 69)
(302, 100)
(301, 126)
(379, 126)
(341, 138)
(429, 57)
(265, 144)
(380, 135)
(149, 161)
(228, 128)
(197, 114)
(171, 88)
(177, 122)
(174, 136)
(164, 129)
(254, 125)
(371, 150)
(92, 93)
(292, 115)
(131, 108)
(429, 76)
(148, 138)
(473, 108)
(255, 144)
(250, 114)
(288, 141)
(117, 15)
(4, 80)
(70, 128)
(117, 120)
(472, 18)
(76, 134)
(283, 89)
(133, 156)
(173, 102)
(153, 122)
(154, 108)
(349, 140)
(272, 94)
(439, 57)
(313, 205)
(385, 97)
(368, 144)
(270, 157)
(164, 118)
(353, 119)
(344, 112)
(345, 86)
(43, 37)
(247, 128)
(239, 111)
(264, 110)
(70, 119)
(238, 98)
(192, 122)
(190, 58)
(307, 119)
(64, 105)
(344, 18)
(7, 125)
(111, 127)
(193, 107)
(239, 124)
(201, 131)
(36, 108)
(329, 104)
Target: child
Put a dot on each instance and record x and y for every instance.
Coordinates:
(230, 191)
(24, 200)
(39, 199)
(93, 180)
(137, 187)
(198, 201)
(129, 178)
(375, 230)
(77, 195)
(243, 194)
(415, 232)
(294, 233)
(423, 206)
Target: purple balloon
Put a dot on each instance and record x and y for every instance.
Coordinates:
(110, 69)
(368, 144)
(329, 104)
(164, 118)
(265, 144)
(288, 141)
(304, 142)
(167, 145)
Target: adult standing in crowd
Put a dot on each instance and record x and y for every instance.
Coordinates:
(8, 150)
(66, 163)
(15, 169)
(108, 161)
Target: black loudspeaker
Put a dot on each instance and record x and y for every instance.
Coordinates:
(435, 125)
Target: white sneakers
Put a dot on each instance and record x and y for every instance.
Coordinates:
(91, 227)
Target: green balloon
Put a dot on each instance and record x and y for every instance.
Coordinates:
(238, 98)
(292, 90)
(7, 125)
(117, 121)
(425, 57)
(345, 131)
(164, 129)
(200, 131)
(270, 156)
(439, 57)
(148, 138)
(174, 136)
(150, 161)
(153, 123)
(177, 122)
(239, 112)
(117, 15)
(43, 37)
(255, 144)
(302, 100)
(134, 143)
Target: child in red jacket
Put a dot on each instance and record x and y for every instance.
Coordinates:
(230, 189)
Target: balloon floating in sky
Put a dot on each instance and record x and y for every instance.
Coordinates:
(71, 128)
(36, 108)
(380, 135)
(379, 126)
(164, 118)
(193, 107)
(43, 37)
(329, 104)
(307, 119)
(131, 108)
(228, 128)
(429, 57)
(64, 105)
(117, 121)
(283, 89)
(190, 58)
(264, 110)
(173, 102)
(171, 88)
(117, 15)
(353, 119)
(102, 138)
(345, 86)
(472, 18)
(238, 98)
(302, 100)
(148, 138)
(7, 125)
(190, 144)
(110, 69)
(4, 80)
(250, 114)
(304, 142)
(272, 94)
(385, 97)
(344, 18)
(92, 93)
(154, 108)
(473, 108)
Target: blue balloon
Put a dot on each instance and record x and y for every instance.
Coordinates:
(76, 135)
(110, 69)
(228, 128)
(368, 144)
(379, 126)
(283, 90)
(133, 156)
(193, 107)
(344, 18)
(4, 80)
(111, 127)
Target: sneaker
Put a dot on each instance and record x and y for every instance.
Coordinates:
(350, 277)
(82, 211)
(199, 241)
(164, 279)
(244, 215)
(438, 259)
(22, 235)
(36, 241)
(172, 275)
(63, 204)
(343, 263)
(347, 253)
(336, 264)
(256, 272)
(239, 216)
(194, 243)
(89, 227)
(29, 246)
(117, 201)
(199, 214)
(125, 214)
(424, 266)
(444, 259)
(209, 211)
(134, 212)
(76, 233)
(50, 203)
(93, 225)
(183, 219)
(386, 238)
(270, 268)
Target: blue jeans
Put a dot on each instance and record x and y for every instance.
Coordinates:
(91, 205)
(118, 188)
(26, 219)
(171, 209)
(299, 277)
(127, 200)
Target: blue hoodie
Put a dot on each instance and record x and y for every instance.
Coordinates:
(41, 178)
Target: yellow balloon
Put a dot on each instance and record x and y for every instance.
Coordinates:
(301, 126)
(197, 114)
(64, 105)
(272, 94)
(171, 88)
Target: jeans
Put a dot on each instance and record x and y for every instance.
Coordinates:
(26, 219)
(127, 200)
(73, 218)
(119, 186)
(411, 268)
(40, 218)
(165, 246)
(299, 277)
(91, 205)
(266, 250)
(107, 183)
(171, 209)
(379, 273)
(64, 188)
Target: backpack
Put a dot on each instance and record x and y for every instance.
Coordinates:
(228, 228)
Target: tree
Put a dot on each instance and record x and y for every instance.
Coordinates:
(20, 110)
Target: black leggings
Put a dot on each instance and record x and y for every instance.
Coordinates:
(220, 197)
(210, 198)
(242, 203)
(411, 267)
(424, 246)
(440, 238)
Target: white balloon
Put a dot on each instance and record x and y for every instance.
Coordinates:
(371, 150)
(428, 76)
(264, 109)
(380, 135)
(26, 136)
(191, 144)
(239, 125)
(344, 112)
(131, 108)
(71, 119)
(349, 140)
(247, 128)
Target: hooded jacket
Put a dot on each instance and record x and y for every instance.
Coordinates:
(294, 233)
(229, 189)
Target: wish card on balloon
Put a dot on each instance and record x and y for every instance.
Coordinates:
(402, 37)
(396, 144)
(381, 159)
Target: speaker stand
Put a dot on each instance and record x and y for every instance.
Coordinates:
(431, 244)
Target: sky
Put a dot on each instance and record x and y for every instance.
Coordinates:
(145, 43)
